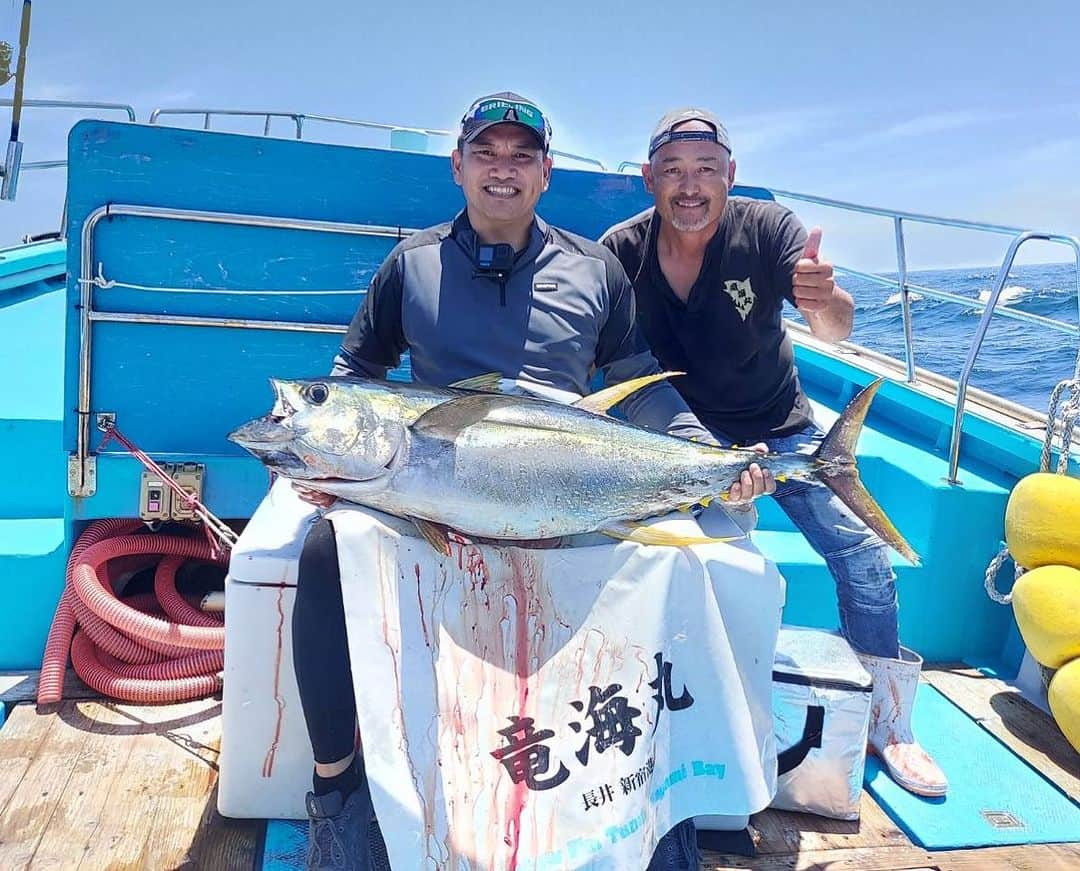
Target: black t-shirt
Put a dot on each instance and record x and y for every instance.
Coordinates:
(729, 336)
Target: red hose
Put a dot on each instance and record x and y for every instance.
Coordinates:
(54, 662)
(160, 688)
(147, 648)
(100, 599)
(175, 605)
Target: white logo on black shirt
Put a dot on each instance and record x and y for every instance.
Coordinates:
(742, 294)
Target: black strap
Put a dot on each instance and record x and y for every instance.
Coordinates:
(811, 738)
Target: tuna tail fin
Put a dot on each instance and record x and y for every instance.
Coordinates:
(841, 474)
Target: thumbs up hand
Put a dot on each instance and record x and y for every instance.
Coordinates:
(812, 281)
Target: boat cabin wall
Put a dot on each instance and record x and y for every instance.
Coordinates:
(177, 390)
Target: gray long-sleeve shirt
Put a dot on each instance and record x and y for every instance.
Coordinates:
(565, 309)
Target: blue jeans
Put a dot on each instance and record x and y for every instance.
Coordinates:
(856, 557)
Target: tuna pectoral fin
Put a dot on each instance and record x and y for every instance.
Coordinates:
(841, 474)
(639, 533)
(434, 534)
(448, 419)
(602, 400)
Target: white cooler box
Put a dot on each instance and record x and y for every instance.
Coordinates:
(266, 756)
(821, 708)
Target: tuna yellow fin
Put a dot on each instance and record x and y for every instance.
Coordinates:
(837, 454)
(602, 400)
(489, 382)
(639, 533)
(434, 534)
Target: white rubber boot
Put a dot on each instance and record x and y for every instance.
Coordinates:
(890, 738)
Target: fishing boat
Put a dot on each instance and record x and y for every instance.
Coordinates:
(192, 264)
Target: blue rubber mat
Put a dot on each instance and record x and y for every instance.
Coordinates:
(994, 798)
(285, 845)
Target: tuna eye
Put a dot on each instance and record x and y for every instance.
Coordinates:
(317, 394)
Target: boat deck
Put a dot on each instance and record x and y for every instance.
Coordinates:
(102, 785)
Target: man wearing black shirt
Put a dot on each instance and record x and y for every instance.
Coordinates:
(711, 275)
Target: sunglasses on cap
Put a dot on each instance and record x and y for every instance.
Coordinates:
(489, 111)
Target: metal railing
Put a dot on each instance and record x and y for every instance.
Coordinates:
(299, 119)
(66, 104)
(82, 467)
(14, 167)
(989, 308)
(984, 324)
(975, 304)
(14, 164)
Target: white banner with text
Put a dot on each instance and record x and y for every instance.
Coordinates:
(525, 709)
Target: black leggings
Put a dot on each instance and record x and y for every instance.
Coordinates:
(320, 651)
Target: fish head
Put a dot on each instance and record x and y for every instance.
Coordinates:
(323, 429)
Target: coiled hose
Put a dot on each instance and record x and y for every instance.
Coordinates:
(147, 648)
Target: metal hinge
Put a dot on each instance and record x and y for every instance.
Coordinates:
(82, 476)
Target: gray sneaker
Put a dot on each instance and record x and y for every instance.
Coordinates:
(677, 850)
(344, 835)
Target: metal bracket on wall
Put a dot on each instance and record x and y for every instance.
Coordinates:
(82, 476)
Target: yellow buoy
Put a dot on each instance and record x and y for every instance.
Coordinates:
(1064, 697)
(1042, 521)
(1046, 602)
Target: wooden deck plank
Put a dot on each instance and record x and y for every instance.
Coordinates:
(224, 843)
(103, 785)
(34, 801)
(170, 777)
(1031, 857)
(786, 832)
(1029, 732)
(103, 759)
(181, 798)
(23, 738)
(21, 686)
(119, 834)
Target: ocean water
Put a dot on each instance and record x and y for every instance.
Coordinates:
(1020, 361)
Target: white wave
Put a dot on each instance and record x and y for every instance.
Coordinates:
(1010, 294)
(895, 298)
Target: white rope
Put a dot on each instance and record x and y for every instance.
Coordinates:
(991, 577)
(103, 283)
(1068, 413)
(1069, 417)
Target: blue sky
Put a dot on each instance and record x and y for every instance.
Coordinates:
(956, 108)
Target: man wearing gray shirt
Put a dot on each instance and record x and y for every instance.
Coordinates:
(494, 290)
